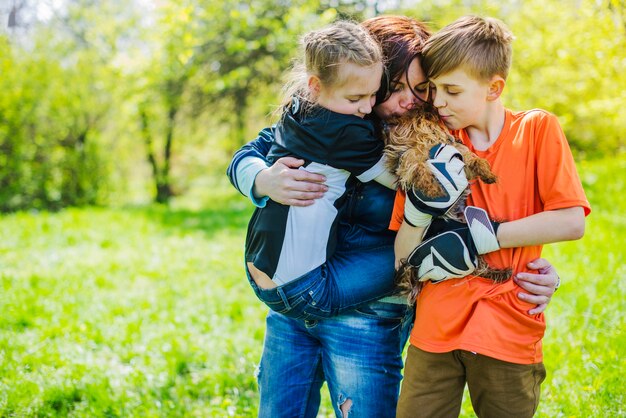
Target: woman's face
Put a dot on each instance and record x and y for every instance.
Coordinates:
(402, 97)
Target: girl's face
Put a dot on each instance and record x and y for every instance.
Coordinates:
(356, 92)
(402, 97)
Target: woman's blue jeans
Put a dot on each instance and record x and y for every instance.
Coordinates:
(358, 353)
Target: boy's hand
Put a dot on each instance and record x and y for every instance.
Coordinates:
(446, 163)
(482, 230)
(451, 251)
(444, 256)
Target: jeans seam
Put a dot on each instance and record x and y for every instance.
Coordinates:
(305, 406)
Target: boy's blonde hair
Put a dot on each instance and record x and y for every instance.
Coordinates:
(325, 50)
(481, 46)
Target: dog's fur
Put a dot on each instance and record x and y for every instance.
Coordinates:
(408, 144)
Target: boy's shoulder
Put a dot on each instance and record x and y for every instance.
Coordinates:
(537, 121)
(537, 127)
(531, 115)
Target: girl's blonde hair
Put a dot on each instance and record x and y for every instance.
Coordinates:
(324, 51)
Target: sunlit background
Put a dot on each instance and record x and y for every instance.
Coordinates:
(121, 283)
(115, 102)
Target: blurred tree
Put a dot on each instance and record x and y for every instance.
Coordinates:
(216, 57)
(161, 83)
(245, 47)
(52, 120)
(568, 59)
(100, 91)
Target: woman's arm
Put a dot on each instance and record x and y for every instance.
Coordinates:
(285, 183)
(282, 182)
(540, 286)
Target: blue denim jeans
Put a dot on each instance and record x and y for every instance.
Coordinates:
(358, 353)
(350, 278)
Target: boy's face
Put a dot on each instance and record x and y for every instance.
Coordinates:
(460, 99)
(356, 95)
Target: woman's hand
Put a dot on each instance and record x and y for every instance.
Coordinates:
(284, 183)
(540, 286)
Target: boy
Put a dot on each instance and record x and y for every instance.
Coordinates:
(470, 330)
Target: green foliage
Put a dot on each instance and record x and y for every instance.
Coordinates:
(145, 312)
(49, 158)
(135, 312)
(567, 58)
(127, 100)
(570, 61)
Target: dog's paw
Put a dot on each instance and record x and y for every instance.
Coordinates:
(489, 178)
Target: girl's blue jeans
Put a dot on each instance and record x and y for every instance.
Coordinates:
(349, 279)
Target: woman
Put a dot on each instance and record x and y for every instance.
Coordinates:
(359, 354)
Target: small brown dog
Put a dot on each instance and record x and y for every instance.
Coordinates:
(407, 151)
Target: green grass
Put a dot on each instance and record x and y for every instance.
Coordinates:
(145, 312)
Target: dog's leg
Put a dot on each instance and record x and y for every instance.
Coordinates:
(479, 167)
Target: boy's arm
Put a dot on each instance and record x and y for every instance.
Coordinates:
(559, 188)
(543, 228)
(407, 239)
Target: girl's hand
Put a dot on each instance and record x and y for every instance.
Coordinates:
(285, 183)
(540, 286)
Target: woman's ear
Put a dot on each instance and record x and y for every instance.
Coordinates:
(315, 84)
(496, 87)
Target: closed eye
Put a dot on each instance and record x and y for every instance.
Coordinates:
(395, 87)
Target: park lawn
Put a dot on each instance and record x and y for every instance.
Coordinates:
(144, 311)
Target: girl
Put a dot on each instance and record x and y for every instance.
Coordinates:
(323, 123)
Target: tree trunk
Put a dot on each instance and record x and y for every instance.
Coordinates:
(162, 187)
(241, 104)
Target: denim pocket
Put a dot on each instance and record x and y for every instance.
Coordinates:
(294, 299)
(318, 298)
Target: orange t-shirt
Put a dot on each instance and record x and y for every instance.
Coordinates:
(536, 173)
